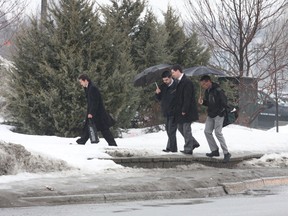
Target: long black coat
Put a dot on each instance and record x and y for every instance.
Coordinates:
(185, 102)
(166, 97)
(96, 108)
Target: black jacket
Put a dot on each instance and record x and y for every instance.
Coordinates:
(215, 100)
(185, 102)
(166, 97)
(95, 107)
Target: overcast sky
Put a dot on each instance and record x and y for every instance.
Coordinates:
(158, 6)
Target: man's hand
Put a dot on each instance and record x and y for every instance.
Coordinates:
(157, 91)
(200, 100)
(90, 116)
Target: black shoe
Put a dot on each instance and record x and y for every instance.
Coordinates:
(195, 146)
(80, 141)
(166, 150)
(227, 157)
(213, 154)
(187, 152)
(113, 144)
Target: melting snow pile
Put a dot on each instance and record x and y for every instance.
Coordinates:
(16, 159)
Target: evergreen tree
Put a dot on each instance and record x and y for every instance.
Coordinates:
(118, 71)
(48, 99)
(149, 49)
(149, 43)
(176, 35)
(193, 52)
(26, 82)
(184, 49)
(157, 43)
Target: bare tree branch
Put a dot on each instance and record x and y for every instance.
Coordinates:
(10, 14)
(247, 38)
(234, 27)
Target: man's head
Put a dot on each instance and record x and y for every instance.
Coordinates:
(205, 82)
(176, 71)
(166, 77)
(84, 80)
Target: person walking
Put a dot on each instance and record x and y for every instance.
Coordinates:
(216, 102)
(166, 95)
(95, 111)
(186, 110)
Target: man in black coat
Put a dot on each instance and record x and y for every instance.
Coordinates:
(216, 102)
(166, 95)
(96, 112)
(186, 110)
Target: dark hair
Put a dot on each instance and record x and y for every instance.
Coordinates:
(84, 77)
(177, 67)
(205, 78)
(166, 74)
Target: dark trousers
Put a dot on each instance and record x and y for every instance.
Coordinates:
(186, 131)
(106, 133)
(171, 128)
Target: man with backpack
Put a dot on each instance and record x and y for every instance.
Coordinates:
(216, 102)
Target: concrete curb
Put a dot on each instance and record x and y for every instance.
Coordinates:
(104, 198)
(211, 191)
(123, 197)
(241, 187)
(221, 190)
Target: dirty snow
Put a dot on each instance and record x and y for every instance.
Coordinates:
(135, 142)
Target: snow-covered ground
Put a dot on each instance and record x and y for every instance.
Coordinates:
(135, 142)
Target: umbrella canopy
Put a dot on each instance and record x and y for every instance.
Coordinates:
(202, 70)
(150, 75)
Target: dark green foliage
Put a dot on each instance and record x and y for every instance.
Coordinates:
(193, 53)
(184, 49)
(176, 36)
(149, 43)
(149, 49)
(158, 43)
(46, 96)
(118, 69)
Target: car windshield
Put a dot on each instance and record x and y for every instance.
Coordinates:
(264, 98)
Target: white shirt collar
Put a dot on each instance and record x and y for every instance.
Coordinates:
(181, 76)
(171, 83)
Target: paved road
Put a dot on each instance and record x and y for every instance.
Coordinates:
(265, 202)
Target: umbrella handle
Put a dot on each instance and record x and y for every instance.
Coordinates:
(200, 100)
(156, 85)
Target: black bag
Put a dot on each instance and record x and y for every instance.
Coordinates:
(111, 121)
(93, 135)
(230, 116)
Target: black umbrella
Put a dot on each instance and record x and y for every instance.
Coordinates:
(202, 70)
(150, 75)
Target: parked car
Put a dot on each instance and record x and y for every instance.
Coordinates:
(267, 117)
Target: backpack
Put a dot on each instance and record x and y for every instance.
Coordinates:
(230, 116)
